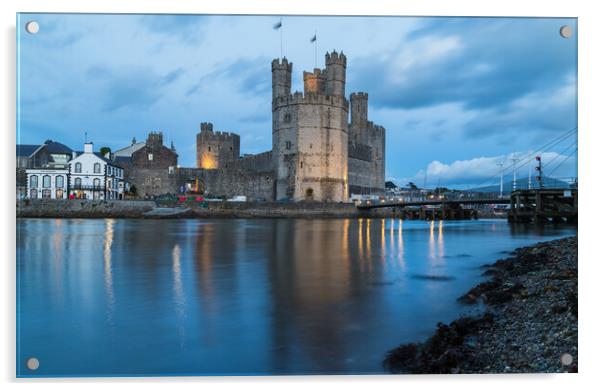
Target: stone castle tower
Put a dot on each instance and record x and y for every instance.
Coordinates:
(309, 132)
(214, 149)
(367, 138)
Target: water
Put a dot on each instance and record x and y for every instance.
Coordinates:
(270, 296)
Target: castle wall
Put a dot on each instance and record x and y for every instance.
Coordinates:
(229, 182)
(360, 169)
(376, 140)
(259, 162)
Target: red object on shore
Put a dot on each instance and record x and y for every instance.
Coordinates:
(181, 199)
(71, 196)
(199, 199)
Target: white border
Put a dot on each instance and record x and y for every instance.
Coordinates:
(590, 67)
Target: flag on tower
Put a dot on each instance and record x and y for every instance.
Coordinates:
(313, 39)
(278, 25)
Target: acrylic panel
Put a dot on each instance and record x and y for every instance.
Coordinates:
(284, 195)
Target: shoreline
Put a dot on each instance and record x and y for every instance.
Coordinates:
(143, 209)
(529, 323)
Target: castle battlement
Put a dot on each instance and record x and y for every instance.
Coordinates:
(359, 95)
(310, 98)
(207, 133)
(336, 58)
(206, 127)
(374, 127)
(282, 64)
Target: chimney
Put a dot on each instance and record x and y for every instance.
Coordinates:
(88, 147)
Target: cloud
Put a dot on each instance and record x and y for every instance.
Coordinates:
(246, 75)
(132, 88)
(510, 74)
(189, 29)
(484, 171)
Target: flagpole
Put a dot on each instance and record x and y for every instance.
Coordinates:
(316, 49)
(281, 40)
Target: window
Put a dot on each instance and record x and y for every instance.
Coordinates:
(60, 182)
(301, 164)
(96, 183)
(33, 182)
(171, 169)
(59, 194)
(45, 182)
(208, 149)
(46, 193)
(150, 157)
(78, 183)
(78, 167)
(288, 145)
(287, 118)
(97, 168)
(34, 194)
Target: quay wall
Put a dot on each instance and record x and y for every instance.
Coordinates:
(83, 208)
(136, 209)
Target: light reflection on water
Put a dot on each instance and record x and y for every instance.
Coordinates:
(139, 297)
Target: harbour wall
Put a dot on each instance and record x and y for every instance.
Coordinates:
(225, 209)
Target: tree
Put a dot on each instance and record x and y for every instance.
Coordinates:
(412, 186)
(390, 185)
(105, 150)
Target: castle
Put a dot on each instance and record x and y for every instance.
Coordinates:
(319, 151)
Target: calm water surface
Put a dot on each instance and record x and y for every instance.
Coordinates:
(186, 297)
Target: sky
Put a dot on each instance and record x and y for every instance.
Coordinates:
(457, 96)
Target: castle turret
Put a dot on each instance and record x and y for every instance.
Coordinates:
(281, 77)
(214, 149)
(314, 83)
(359, 117)
(336, 66)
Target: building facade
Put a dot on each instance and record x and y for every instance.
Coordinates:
(50, 155)
(47, 183)
(93, 176)
(152, 168)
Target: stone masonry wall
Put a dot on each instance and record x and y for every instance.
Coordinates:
(229, 182)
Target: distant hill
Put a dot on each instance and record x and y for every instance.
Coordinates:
(523, 183)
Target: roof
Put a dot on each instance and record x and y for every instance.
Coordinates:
(129, 150)
(122, 160)
(56, 147)
(26, 149)
(100, 156)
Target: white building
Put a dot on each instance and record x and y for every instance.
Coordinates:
(47, 183)
(93, 176)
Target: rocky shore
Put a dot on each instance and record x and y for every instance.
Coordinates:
(529, 324)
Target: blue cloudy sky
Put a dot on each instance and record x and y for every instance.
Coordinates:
(456, 95)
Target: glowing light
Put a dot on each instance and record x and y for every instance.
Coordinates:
(208, 161)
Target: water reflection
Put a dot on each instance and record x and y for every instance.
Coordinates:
(242, 296)
(400, 254)
(179, 299)
(108, 270)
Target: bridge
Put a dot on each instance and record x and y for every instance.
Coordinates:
(442, 202)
